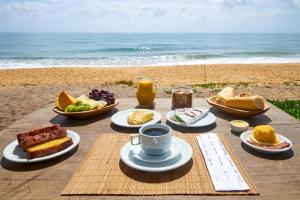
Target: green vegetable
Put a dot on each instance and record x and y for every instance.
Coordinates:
(78, 106)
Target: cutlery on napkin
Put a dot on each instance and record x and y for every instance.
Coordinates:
(222, 170)
(188, 116)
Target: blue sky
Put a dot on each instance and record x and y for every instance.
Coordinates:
(150, 15)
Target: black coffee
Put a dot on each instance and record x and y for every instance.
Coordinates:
(155, 132)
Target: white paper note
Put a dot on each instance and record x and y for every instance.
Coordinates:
(222, 170)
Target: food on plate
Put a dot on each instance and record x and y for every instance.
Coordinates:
(189, 115)
(63, 100)
(44, 141)
(41, 135)
(244, 101)
(264, 134)
(140, 117)
(102, 95)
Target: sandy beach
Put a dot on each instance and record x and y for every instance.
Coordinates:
(25, 90)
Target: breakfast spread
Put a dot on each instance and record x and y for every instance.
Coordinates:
(243, 101)
(182, 97)
(96, 100)
(140, 117)
(44, 141)
(189, 115)
(265, 136)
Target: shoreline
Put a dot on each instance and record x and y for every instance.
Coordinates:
(191, 64)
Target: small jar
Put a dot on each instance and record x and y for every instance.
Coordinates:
(182, 97)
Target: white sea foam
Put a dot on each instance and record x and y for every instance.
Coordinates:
(165, 60)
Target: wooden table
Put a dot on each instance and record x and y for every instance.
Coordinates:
(276, 176)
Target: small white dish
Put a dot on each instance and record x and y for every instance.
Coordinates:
(245, 137)
(140, 155)
(120, 118)
(186, 153)
(239, 126)
(205, 121)
(14, 153)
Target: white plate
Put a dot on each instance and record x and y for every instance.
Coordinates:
(205, 121)
(246, 136)
(140, 155)
(14, 153)
(185, 150)
(120, 118)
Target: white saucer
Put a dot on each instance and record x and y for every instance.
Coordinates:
(137, 153)
(120, 118)
(14, 153)
(245, 137)
(205, 121)
(184, 148)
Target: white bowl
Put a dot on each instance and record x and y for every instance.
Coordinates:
(241, 128)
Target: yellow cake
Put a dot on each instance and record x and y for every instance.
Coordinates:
(49, 147)
(264, 134)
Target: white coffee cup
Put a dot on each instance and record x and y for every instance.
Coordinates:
(155, 139)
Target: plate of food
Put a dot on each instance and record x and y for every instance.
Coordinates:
(41, 144)
(191, 117)
(240, 105)
(135, 118)
(263, 138)
(97, 103)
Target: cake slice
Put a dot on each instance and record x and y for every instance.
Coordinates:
(49, 147)
(39, 136)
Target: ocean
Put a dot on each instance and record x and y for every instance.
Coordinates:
(30, 50)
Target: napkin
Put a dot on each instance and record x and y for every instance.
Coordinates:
(222, 170)
(188, 116)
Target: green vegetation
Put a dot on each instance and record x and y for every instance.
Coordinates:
(292, 107)
(129, 83)
(291, 83)
(210, 85)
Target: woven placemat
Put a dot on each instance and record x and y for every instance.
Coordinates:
(102, 172)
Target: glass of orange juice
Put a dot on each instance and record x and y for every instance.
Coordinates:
(146, 91)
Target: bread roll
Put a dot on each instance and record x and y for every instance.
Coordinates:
(224, 94)
(245, 103)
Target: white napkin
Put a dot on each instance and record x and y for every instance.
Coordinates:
(222, 170)
(190, 115)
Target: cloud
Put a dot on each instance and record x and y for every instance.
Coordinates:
(297, 2)
(139, 15)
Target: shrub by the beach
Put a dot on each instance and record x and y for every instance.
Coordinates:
(292, 107)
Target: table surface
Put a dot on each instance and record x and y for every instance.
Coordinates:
(276, 176)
